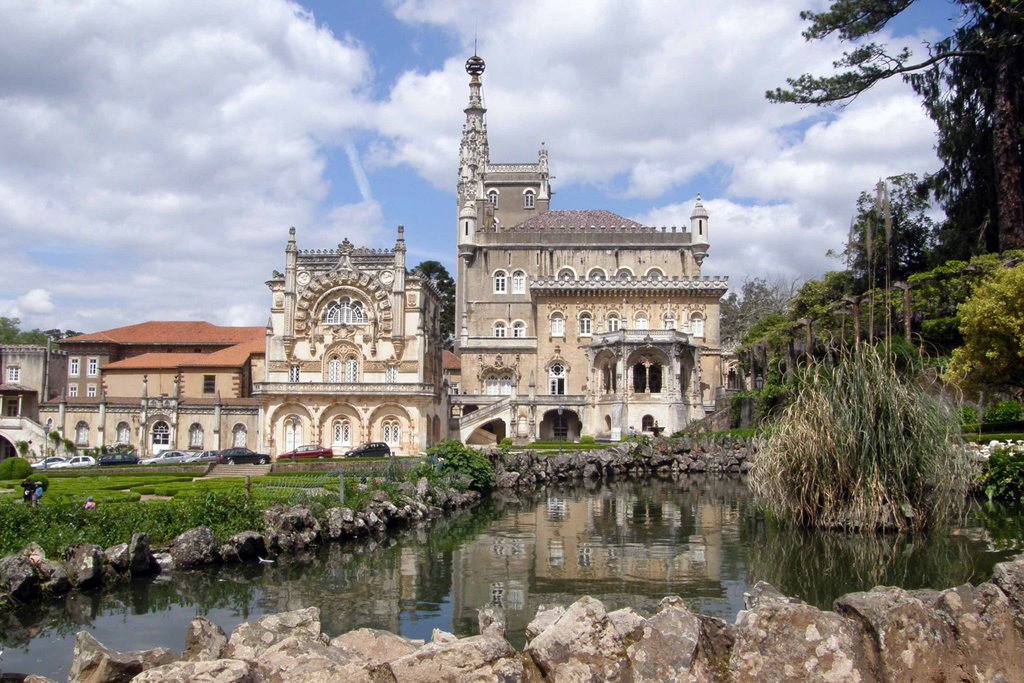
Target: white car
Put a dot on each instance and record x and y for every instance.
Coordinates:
(50, 463)
(77, 461)
(166, 458)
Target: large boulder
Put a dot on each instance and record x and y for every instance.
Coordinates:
(667, 646)
(300, 659)
(991, 648)
(209, 671)
(53, 579)
(544, 617)
(249, 640)
(581, 644)
(245, 546)
(18, 577)
(341, 523)
(784, 641)
(291, 529)
(1009, 576)
(140, 556)
(912, 640)
(195, 548)
(117, 557)
(491, 620)
(204, 641)
(482, 659)
(374, 646)
(94, 663)
(85, 566)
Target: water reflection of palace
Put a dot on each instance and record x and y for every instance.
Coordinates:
(628, 540)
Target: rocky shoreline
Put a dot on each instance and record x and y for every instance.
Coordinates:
(966, 633)
(29, 575)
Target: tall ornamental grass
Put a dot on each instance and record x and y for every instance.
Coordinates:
(862, 447)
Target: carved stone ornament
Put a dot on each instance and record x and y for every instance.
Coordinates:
(387, 277)
(340, 283)
(303, 277)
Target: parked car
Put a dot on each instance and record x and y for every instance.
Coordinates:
(77, 461)
(49, 463)
(118, 459)
(239, 456)
(166, 458)
(306, 453)
(375, 449)
(202, 456)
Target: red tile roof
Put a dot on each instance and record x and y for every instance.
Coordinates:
(554, 221)
(231, 357)
(450, 361)
(172, 332)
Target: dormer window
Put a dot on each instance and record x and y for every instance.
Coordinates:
(529, 199)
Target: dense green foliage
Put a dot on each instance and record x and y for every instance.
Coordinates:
(757, 299)
(451, 459)
(861, 447)
(1003, 477)
(992, 324)
(11, 333)
(1005, 411)
(15, 468)
(57, 526)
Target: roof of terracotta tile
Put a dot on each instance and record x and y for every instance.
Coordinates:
(451, 362)
(16, 387)
(171, 333)
(576, 220)
(231, 357)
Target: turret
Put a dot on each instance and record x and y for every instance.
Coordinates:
(467, 226)
(291, 254)
(699, 233)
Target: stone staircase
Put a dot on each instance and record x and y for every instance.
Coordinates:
(226, 470)
(468, 423)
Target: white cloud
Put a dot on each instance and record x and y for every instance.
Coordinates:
(157, 154)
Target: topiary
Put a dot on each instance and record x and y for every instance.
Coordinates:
(15, 468)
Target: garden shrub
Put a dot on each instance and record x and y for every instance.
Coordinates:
(968, 416)
(586, 440)
(454, 458)
(15, 468)
(1004, 411)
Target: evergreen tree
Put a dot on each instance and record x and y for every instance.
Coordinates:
(972, 82)
(442, 279)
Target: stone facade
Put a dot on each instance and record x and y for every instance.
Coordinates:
(574, 322)
(353, 352)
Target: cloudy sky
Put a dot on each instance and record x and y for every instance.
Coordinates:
(155, 152)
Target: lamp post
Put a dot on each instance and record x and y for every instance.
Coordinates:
(759, 382)
(46, 442)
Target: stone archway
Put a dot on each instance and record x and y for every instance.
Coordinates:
(560, 424)
(488, 434)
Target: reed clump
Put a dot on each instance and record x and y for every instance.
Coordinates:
(862, 447)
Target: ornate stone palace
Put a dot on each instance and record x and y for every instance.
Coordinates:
(354, 350)
(574, 322)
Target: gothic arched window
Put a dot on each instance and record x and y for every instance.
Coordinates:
(334, 369)
(292, 433)
(160, 434)
(124, 433)
(519, 329)
(500, 329)
(556, 379)
(586, 325)
(391, 432)
(697, 325)
(519, 282)
(239, 436)
(351, 369)
(500, 282)
(341, 432)
(345, 311)
(195, 435)
(613, 322)
(557, 325)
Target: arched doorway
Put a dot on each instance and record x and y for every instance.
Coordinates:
(488, 433)
(159, 436)
(561, 424)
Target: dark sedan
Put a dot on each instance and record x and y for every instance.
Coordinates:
(306, 453)
(114, 459)
(377, 449)
(242, 456)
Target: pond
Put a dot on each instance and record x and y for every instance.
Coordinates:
(627, 543)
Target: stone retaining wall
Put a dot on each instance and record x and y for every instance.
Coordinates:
(965, 633)
(660, 457)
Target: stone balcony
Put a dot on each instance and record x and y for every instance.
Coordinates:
(346, 388)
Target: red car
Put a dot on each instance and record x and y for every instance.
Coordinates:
(307, 453)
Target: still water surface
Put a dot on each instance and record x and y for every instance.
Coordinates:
(628, 543)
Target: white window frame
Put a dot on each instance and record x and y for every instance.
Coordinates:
(239, 436)
(668, 322)
(74, 366)
(597, 274)
(613, 322)
(492, 197)
(92, 367)
(333, 369)
(351, 369)
(641, 321)
(13, 374)
(519, 282)
(90, 391)
(586, 324)
(697, 325)
(518, 329)
(160, 434)
(294, 374)
(82, 433)
(500, 279)
(557, 377)
(391, 374)
(566, 273)
(500, 329)
(529, 199)
(557, 325)
(123, 433)
(195, 435)
(72, 391)
(391, 432)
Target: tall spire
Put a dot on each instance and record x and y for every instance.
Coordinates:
(473, 152)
